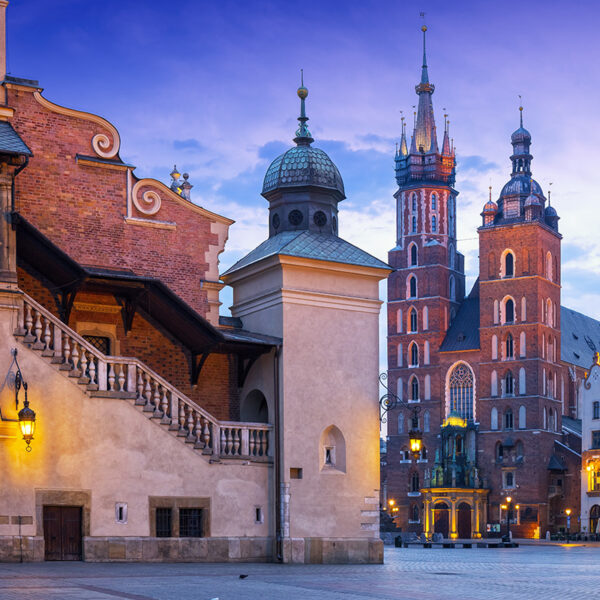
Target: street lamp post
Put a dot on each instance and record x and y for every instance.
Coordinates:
(508, 507)
(568, 512)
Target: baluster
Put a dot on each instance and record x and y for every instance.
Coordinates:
(21, 320)
(263, 442)
(140, 388)
(75, 357)
(121, 378)
(223, 445)
(92, 369)
(148, 406)
(236, 441)
(182, 430)
(47, 339)
(38, 326)
(229, 440)
(190, 425)
(199, 442)
(84, 363)
(164, 406)
(156, 400)
(28, 324)
(111, 378)
(67, 351)
(252, 441)
(206, 434)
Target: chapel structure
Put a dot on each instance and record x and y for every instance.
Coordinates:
(502, 362)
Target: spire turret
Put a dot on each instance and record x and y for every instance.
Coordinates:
(446, 151)
(425, 138)
(403, 145)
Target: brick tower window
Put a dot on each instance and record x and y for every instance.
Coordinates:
(414, 389)
(509, 311)
(434, 223)
(414, 482)
(509, 346)
(433, 202)
(412, 283)
(508, 419)
(509, 265)
(412, 316)
(414, 355)
(414, 224)
(460, 384)
(413, 255)
(509, 384)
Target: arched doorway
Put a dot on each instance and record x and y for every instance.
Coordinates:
(595, 519)
(441, 519)
(254, 408)
(464, 520)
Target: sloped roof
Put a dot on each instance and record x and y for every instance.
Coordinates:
(580, 337)
(11, 142)
(573, 425)
(463, 333)
(555, 464)
(308, 244)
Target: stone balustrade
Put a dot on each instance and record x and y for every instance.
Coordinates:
(129, 378)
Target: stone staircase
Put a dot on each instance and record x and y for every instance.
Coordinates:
(129, 379)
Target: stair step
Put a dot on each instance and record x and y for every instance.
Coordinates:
(107, 394)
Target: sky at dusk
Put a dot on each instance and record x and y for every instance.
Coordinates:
(211, 86)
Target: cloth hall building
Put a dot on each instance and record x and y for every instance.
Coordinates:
(493, 372)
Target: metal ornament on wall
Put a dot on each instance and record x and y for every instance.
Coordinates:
(26, 414)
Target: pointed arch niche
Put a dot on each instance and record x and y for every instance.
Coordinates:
(332, 450)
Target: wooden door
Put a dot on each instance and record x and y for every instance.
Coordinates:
(62, 532)
(441, 519)
(464, 521)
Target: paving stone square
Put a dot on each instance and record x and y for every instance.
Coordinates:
(528, 572)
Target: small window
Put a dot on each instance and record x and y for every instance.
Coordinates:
(508, 419)
(190, 522)
(434, 223)
(99, 342)
(414, 355)
(413, 286)
(509, 311)
(499, 451)
(414, 224)
(509, 265)
(413, 255)
(330, 456)
(295, 473)
(414, 389)
(595, 439)
(509, 346)
(413, 320)
(414, 482)
(258, 515)
(414, 202)
(509, 479)
(433, 202)
(164, 518)
(509, 384)
(121, 512)
(596, 410)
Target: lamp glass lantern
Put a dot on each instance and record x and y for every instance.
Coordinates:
(415, 436)
(27, 423)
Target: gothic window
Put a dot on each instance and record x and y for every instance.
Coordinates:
(494, 418)
(414, 224)
(551, 420)
(509, 479)
(433, 223)
(545, 422)
(508, 419)
(401, 423)
(499, 451)
(414, 389)
(413, 255)
(412, 283)
(549, 266)
(451, 256)
(414, 482)
(452, 288)
(414, 202)
(509, 384)
(522, 417)
(509, 265)
(426, 424)
(509, 347)
(509, 311)
(433, 202)
(460, 384)
(412, 316)
(522, 381)
(414, 355)
(596, 409)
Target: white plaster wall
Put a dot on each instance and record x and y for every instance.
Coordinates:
(110, 448)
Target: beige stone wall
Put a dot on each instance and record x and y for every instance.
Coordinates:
(109, 451)
(327, 315)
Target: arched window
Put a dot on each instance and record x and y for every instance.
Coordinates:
(414, 482)
(404, 455)
(509, 384)
(549, 266)
(433, 202)
(522, 345)
(494, 418)
(426, 424)
(460, 384)
(414, 202)
(522, 381)
(433, 223)
(413, 255)
(523, 309)
(452, 288)
(426, 353)
(401, 422)
(425, 318)
(414, 389)
(333, 449)
(508, 419)
(412, 286)
(494, 347)
(424, 453)
(494, 384)
(254, 408)
(509, 347)
(414, 224)
(549, 313)
(509, 479)
(412, 320)
(509, 265)
(499, 451)
(509, 310)
(414, 355)
(522, 417)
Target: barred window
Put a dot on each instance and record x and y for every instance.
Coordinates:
(190, 522)
(163, 522)
(99, 342)
(461, 391)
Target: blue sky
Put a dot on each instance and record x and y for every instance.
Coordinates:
(211, 86)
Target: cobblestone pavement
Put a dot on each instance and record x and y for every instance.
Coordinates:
(525, 573)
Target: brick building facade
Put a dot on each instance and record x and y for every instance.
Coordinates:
(494, 356)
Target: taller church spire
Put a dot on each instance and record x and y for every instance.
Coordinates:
(425, 137)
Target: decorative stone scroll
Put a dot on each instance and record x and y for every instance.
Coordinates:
(103, 145)
(148, 202)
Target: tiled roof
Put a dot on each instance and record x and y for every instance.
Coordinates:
(463, 333)
(573, 425)
(555, 464)
(580, 337)
(10, 141)
(308, 244)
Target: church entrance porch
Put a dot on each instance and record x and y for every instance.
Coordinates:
(455, 512)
